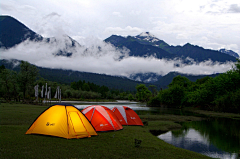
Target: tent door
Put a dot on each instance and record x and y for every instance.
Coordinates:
(76, 122)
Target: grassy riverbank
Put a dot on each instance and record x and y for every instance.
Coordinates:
(16, 118)
(214, 114)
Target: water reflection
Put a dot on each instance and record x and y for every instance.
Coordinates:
(218, 138)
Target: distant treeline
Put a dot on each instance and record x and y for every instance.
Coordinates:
(221, 93)
(19, 86)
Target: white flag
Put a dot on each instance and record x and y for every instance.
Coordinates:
(58, 93)
(49, 93)
(46, 90)
(36, 90)
(60, 96)
(55, 94)
(42, 91)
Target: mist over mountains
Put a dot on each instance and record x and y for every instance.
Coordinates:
(143, 58)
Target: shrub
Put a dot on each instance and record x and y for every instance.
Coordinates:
(228, 102)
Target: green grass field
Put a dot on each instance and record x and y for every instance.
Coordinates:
(16, 118)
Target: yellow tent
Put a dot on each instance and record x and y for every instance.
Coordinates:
(62, 120)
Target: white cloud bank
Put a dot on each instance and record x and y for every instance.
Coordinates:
(99, 57)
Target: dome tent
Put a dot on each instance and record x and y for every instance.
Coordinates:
(102, 118)
(62, 120)
(127, 116)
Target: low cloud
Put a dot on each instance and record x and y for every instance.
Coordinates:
(52, 25)
(117, 14)
(234, 8)
(123, 31)
(99, 57)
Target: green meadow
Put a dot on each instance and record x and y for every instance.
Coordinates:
(15, 119)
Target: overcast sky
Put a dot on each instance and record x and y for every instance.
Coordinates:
(212, 24)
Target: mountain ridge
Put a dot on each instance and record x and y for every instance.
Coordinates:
(151, 43)
(13, 32)
(229, 52)
(142, 45)
(153, 40)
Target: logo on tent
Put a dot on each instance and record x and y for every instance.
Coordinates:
(127, 116)
(48, 124)
(103, 124)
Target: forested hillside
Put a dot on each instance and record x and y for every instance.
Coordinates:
(167, 79)
(68, 76)
(25, 85)
(112, 82)
(221, 93)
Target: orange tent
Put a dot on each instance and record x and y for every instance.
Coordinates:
(62, 120)
(127, 116)
(102, 118)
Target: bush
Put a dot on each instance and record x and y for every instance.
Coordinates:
(173, 96)
(228, 102)
(154, 102)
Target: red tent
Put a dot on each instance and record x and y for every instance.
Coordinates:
(102, 118)
(127, 116)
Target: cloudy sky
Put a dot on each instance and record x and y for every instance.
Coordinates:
(212, 24)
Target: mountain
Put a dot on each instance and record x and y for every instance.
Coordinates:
(137, 48)
(167, 79)
(112, 82)
(68, 76)
(146, 44)
(150, 39)
(145, 77)
(13, 32)
(195, 52)
(65, 44)
(200, 54)
(229, 52)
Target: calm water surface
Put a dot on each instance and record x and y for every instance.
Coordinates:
(217, 138)
(132, 105)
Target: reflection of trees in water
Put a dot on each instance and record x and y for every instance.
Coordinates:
(180, 133)
(223, 133)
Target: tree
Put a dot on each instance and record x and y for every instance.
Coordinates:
(9, 86)
(203, 80)
(26, 77)
(181, 81)
(237, 66)
(2, 68)
(172, 96)
(68, 93)
(130, 97)
(143, 94)
(74, 85)
(153, 89)
(85, 87)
